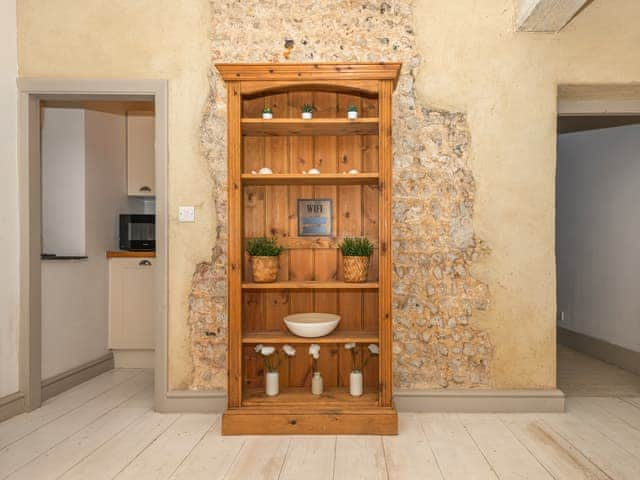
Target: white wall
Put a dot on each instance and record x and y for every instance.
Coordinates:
(75, 293)
(9, 248)
(598, 234)
(63, 181)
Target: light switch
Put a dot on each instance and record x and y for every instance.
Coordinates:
(186, 214)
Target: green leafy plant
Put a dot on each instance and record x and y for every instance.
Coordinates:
(266, 110)
(356, 247)
(352, 108)
(263, 247)
(308, 108)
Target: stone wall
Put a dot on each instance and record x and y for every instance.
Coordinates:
(436, 341)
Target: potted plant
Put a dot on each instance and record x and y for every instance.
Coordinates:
(307, 111)
(264, 254)
(352, 112)
(267, 114)
(355, 259)
(316, 380)
(355, 378)
(271, 365)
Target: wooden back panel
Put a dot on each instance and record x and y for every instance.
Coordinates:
(272, 211)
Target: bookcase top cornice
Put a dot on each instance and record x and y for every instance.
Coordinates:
(309, 71)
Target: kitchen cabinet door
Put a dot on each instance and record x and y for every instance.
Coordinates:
(131, 303)
(141, 154)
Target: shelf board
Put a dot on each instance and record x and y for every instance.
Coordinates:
(315, 126)
(310, 285)
(333, 337)
(301, 396)
(320, 179)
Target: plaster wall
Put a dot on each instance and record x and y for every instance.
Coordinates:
(9, 242)
(473, 62)
(597, 231)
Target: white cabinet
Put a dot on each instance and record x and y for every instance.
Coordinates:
(131, 303)
(140, 154)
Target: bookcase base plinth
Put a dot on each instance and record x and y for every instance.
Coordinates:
(247, 421)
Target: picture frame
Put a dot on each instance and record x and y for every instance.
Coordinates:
(315, 217)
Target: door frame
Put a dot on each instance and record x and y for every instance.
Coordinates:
(31, 91)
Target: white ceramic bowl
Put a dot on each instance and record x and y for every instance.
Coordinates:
(313, 324)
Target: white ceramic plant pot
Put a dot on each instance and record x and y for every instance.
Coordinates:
(272, 386)
(355, 383)
(307, 115)
(352, 115)
(317, 384)
(267, 116)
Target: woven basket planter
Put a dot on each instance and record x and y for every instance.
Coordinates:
(265, 269)
(355, 269)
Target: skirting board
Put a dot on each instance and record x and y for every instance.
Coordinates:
(185, 401)
(134, 358)
(11, 405)
(605, 351)
(480, 401)
(460, 401)
(69, 379)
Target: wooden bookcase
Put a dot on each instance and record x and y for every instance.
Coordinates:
(310, 277)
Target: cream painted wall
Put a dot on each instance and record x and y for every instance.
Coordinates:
(506, 82)
(597, 234)
(473, 62)
(9, 250)
(143, 39)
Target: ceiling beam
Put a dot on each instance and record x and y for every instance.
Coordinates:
(546, 15)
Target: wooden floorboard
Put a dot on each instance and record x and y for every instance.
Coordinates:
(262, 458)
(465, 460)
(359, 458)
(113, 456)
(309, 458)
(598, 448)
(508, 457)
(165, 455)
(46, 437)
(105, 429)
(409, 455)
(556, 454)
(212, 458)
(17, 427)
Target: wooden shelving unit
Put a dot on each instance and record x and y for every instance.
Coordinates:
(310, 277)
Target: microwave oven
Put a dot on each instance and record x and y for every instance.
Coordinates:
(137, 232)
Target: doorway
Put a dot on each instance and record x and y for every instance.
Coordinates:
(597, 226)
(85, 112)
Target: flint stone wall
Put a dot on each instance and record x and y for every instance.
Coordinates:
(436, 342)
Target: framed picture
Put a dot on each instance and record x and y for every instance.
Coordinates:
(315, 217)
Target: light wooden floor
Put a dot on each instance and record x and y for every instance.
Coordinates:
(105, 429)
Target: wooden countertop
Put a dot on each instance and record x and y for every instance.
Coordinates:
(127, 254)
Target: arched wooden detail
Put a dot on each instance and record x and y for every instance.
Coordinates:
(363, 88)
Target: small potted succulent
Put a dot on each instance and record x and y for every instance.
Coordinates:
(352, 112)
(357, 366)
(267, 114)
(272, 361)
(316, 380)
(355, 259)
(307, 111)
(264, 254)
